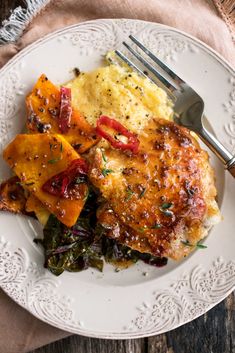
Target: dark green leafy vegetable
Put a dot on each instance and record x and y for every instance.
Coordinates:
(86, 244)
(119, 254)
(153, 260)
(114, 252)
(72, 249)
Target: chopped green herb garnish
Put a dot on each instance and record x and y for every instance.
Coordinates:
(28, 184)
(86, 196)
(165, 209)
(21, 183)
(156, 226)
(103, 156)
(198, 245)
(129, 193)
(80, 180)
(106, 172)
(167, 213)
(142, 229)
(166, 205)
(61, 147)
(186, 243)
(55, 160)
(201, 246)
(142, 193)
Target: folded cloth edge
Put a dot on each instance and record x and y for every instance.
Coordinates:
(13, 27)
(227, 11)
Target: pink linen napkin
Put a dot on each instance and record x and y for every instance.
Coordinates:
(200, 18)
(210, 21)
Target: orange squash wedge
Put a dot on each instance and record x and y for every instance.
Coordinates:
(35, 158)
(43, 106)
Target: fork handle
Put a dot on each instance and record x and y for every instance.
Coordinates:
(215, 146)
(219, 149)
(231, 167)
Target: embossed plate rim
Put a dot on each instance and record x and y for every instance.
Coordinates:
(142, 331)
(49, 36)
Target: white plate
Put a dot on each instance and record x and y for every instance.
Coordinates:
(125, 304)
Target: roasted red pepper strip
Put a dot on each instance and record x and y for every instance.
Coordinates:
(58, 184)
(131, 145)
(65, 109)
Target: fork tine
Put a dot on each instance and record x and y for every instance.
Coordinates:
(151, 68)
(175, 77)
(129, 63)
(132, 65)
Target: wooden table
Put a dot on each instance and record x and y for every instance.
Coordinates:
(213, 332)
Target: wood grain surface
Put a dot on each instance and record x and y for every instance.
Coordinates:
(213, 332)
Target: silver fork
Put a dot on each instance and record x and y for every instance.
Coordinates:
(189, 106)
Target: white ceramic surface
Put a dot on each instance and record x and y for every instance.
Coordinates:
(126, 304)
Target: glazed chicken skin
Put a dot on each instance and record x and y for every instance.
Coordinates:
(161, 200)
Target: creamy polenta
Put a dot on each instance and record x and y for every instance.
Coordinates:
(115, 91)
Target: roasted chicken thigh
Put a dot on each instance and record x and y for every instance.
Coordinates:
(160, 200)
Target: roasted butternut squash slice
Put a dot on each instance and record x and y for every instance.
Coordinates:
(35, 159)
(12, 196)
(34, 205)
(43, 105)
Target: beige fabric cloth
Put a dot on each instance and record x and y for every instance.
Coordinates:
(197, 17)
(19, 331)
